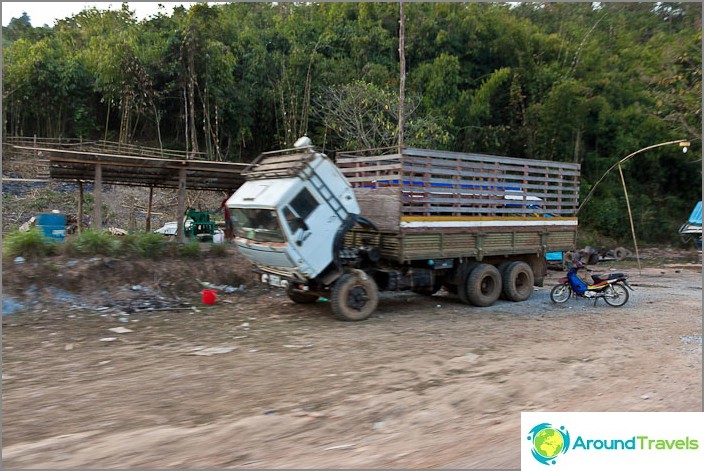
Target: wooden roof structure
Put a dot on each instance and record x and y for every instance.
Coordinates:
(106, 163)
(128, 170)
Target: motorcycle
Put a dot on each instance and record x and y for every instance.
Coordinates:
(611, 287)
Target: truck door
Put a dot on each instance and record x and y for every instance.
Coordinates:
(312, 226)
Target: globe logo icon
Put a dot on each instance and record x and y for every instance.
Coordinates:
(548, 442)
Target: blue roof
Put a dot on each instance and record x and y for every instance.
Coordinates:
(696, 216)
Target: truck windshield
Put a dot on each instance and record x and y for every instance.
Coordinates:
(260, 225)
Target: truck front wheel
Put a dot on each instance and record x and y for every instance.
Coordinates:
(354, 298)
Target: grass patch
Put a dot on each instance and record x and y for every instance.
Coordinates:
(218, 250)
(190, 249)
(93, 243)
(31, 244)
(145, 245)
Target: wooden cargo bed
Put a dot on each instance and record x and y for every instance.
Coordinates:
(430, 204)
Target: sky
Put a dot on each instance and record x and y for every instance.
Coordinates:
(41, 13)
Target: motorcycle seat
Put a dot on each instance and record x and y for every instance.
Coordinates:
(610, 276)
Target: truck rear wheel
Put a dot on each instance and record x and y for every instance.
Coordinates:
(517, 281)
(463, 274)
(502, 267)
(483, 285)
(354, 298)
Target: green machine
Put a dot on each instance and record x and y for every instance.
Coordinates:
(201, 227)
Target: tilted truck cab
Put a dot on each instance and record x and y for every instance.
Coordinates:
(291, 212)
(478, 225)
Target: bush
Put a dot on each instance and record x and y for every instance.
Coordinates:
(93, 243)
(31, 244)
(190, 249)
(218, 250)
(145, 245)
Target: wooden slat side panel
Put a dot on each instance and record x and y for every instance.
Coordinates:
(382, 206)
(374, 171)
(440, 154)
(561, 240)
(468, 184)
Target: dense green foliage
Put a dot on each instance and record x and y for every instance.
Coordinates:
(578, 82)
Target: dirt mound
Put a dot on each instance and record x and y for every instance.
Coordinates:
(108, 281)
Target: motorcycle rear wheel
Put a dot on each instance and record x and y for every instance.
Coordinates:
(560, 293)
(616, 295)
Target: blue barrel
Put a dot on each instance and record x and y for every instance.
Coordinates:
(52, 225)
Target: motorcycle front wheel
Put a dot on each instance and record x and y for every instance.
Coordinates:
(616, 295)
(560, 293)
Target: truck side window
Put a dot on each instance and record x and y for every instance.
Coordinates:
(294, 223)
(304, 203)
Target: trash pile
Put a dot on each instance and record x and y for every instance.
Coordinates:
(223, 288)
(128, 300)
(138, 298)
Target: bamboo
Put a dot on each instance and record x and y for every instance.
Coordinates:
(630, 217)
(98, 198)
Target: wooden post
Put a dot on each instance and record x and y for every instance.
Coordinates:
(148, 225)
(630, 217)
(181, 210)
(79, 225)
(402, 78)
(98, 198)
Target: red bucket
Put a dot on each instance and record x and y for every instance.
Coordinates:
(208, 296)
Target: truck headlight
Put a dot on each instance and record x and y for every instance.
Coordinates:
(265, 278)
(284, 284)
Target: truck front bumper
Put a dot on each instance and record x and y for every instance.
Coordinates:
(279, 279)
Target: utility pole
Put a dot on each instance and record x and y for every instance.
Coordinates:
(402, 81)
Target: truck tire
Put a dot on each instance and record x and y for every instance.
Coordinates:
(483, 285)
(517, 281)
(462, 276)
(301, 298)
(502, 267)
(354, 298)
(620, 253)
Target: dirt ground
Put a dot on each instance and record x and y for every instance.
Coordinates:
(256, 381)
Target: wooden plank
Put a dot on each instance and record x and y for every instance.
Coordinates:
(376, 158)
(285, 158)
(414, 152)
(181, 206)
(80, 206)
(469, 211)
(411, 169)
(479, 184)
(374, 178)
(371, 168)
(504, 168)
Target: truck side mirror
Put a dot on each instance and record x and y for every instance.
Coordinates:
(301, 223)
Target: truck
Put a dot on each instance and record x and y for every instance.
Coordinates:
(402, 219)
(692, 229)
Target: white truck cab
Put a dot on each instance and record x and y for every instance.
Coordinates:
(289, 211)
